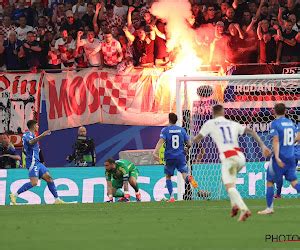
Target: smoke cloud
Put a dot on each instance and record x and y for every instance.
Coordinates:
(182, 38)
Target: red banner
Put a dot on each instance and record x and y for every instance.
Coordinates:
(91, 96)
(19, 102)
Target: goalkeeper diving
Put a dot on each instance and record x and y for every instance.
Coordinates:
(119, 174)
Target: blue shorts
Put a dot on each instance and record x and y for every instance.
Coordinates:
(38, 170)
(172, 164)
(276, 173)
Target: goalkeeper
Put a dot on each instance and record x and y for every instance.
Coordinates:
(118, 174)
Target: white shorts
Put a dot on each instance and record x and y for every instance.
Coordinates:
(231, 166)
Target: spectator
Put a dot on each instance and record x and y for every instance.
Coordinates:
(229, 18)
(249, 44)
(8, 156)
(224, 7)
(127, 62)
(87, 18)
(147, 19)
(80, 58)
(287, 44)
(120, 9)
(239, 6)
(13, 52)
(218, 46)
(252, 6)
(39, 10)
(84, 153)
(46, 44)
(43, 23)
(133, 19)
(264, 12)
(293, 7)
(71, 25)
(197, 15)
(109, 17)
(233, 56)
(19, 11)
(64, 48)
(32, 51)
(143, 47)
(80, 8)
(23, 28)
(91, 48)
(7, 26)
(111, 51)
(58, 17)
(267, 43)
(160, 45)
(210, 16)
(247, 18)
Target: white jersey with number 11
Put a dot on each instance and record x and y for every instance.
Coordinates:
(224, 132)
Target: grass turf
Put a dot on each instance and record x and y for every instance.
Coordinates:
(152, 225)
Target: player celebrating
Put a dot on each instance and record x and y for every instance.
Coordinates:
(36, 169)
(225, 134)
(282, 163)
(175, 138)
(118, 174)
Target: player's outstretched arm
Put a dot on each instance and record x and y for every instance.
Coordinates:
(265, 150)
(42, 135)
(198, 138)
(160, 142)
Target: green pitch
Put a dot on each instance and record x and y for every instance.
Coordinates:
(152, 225)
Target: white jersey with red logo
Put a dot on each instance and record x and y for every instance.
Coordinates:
(224, 132)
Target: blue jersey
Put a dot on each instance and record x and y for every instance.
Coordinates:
(175, 137)
(286, 131)
(31, 151)
(297, 152)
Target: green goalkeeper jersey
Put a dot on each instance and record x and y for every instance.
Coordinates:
(124, 169)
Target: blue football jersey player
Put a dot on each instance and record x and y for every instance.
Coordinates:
(36, 169)
(282, 163)
(175, 138)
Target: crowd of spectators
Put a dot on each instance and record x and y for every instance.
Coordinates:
(121, 34)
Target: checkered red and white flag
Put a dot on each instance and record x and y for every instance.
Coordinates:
(91, 96)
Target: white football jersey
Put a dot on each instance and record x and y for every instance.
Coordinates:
(224, 132)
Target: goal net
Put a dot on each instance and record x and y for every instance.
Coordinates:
(248, 100)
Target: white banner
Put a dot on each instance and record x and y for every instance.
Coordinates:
(90, 96)
(19, 102)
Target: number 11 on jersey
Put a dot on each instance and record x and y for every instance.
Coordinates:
(227, 135)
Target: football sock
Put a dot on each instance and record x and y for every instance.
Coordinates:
(52, 189)
(170, 187)
(136, 188)
(297, 187)
(119, 193)
(279, 187)
(24, 188)
(236, 198)
(269, 196)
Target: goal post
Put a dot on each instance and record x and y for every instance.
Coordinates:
(247, 99)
